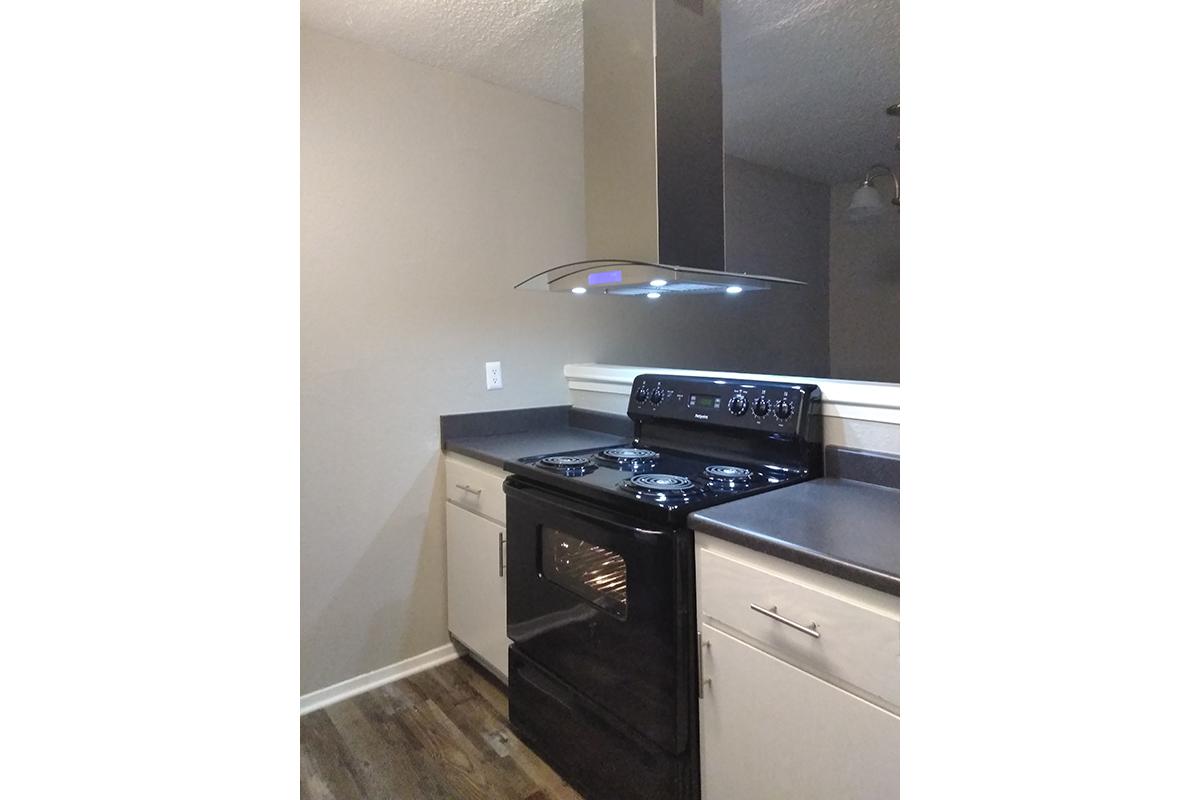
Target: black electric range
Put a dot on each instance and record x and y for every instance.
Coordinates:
(601, 575)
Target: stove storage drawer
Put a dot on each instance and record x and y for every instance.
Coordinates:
(475, 486)
(580, 739)
(852, 643)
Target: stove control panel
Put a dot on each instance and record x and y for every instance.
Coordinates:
(776, 408)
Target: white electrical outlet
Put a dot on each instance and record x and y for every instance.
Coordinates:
(494, 379)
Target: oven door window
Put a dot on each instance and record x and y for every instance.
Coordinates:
(592, 572)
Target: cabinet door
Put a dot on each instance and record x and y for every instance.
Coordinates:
(475, 587)
(769, 730)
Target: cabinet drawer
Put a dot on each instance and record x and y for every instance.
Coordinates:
(475, 486)
(858, 647)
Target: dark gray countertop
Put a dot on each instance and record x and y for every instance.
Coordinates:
(507, 446)
(499, 436)
(842, 527)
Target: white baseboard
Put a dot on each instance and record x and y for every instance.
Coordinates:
(375, 678)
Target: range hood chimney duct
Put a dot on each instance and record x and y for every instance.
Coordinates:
(653, 132)
(654, 155)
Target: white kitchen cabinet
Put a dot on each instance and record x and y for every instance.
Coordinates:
(769, 730)
(476, 486)
(860, 647)
(475, 567)
(800, 678)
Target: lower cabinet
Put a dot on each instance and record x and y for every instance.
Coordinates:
(799, 681)
(770, 730)
(475, 585)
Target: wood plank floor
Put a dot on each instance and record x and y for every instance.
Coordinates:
(441, 734)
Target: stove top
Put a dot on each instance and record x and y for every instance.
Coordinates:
(698, 441)
(654, 480)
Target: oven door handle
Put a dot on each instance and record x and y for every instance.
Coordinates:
(559, 502)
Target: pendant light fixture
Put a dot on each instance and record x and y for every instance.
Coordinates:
(867, 202)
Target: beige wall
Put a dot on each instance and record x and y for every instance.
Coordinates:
(864, 291)
(425, 196)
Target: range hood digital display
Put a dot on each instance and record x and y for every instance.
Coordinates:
(603, 278)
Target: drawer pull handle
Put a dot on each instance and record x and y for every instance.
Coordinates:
(466, 487)
(771, 612)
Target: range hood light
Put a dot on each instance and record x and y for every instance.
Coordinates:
(620, 276)
(653, 295)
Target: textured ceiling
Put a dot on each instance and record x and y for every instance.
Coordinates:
(806, 82)
(533, 46)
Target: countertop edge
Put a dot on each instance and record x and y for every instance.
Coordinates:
(453, 446)
(796, 554)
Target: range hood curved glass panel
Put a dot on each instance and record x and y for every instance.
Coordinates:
(636, 278)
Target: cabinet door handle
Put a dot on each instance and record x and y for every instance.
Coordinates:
(466, 487)
(500, 551)
(771, 612)
(700, 645)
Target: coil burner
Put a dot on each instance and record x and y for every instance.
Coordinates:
(724, 478)
(661, 488)
(571, 466)
(631, 458)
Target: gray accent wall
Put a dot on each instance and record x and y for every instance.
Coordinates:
(778, 224)
(864, 292)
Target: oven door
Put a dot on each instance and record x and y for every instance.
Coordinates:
(604, 604)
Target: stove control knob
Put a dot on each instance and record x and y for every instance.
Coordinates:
(738, 405)
(642, 394)
(656, 396)
(761, 407)
(783, 409)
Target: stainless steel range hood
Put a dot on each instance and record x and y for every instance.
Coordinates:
(653, 154)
